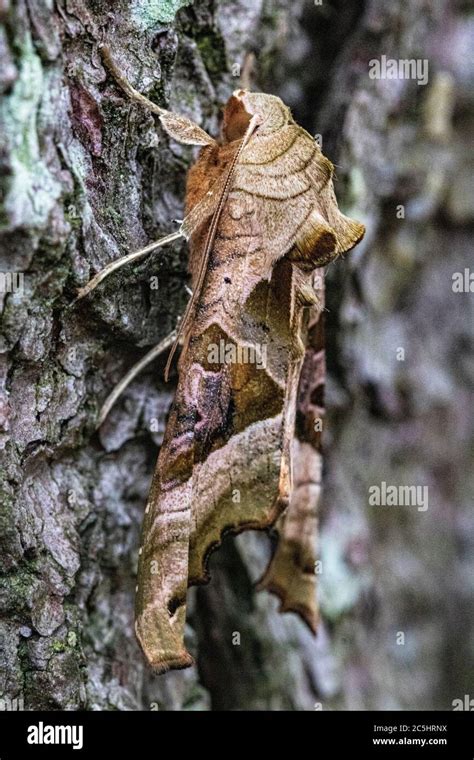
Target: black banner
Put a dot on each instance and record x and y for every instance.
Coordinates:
(375, 734)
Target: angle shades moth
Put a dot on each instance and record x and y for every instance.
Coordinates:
(241, 448)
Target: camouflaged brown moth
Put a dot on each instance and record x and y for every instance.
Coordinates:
(241, 448)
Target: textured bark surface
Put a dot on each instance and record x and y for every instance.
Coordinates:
(87, 177)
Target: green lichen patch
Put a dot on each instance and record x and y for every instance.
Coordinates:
(212, 50)
(31, 190)
(147, 13)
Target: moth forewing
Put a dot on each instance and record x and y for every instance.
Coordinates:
(293, 569)
(215, 220)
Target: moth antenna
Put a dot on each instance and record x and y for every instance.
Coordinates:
(132, 373)
(114, 265)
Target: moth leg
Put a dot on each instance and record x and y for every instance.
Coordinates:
(114, 265)
(132, 373)
(180, 128)
(132, 93)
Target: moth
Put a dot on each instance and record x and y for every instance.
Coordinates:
(241, 448)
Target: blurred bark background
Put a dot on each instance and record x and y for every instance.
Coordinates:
(86, 177)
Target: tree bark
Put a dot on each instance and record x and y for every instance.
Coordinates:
(87, 177)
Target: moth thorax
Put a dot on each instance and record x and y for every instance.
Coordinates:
(236, 119)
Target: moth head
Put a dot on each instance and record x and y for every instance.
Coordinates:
(271, 113)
